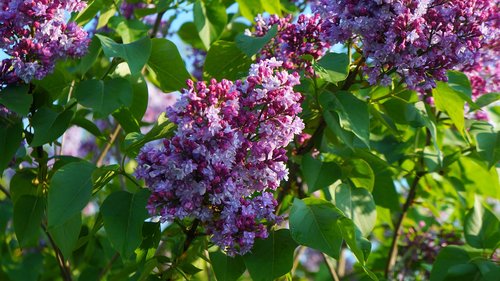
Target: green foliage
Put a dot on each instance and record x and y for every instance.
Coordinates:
(210, 19)
(166, 66)
(28, 214)
(314, 223)
(50, 124)
(226, 60)
(482, 227)
(227, 268)
(272, 257)
(124, 214)
(69, 192)
(333, 67)
(17, 99)
(380, 176)
(136, 54)
(104, 97)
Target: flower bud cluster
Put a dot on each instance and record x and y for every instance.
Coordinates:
(293, 41)
(227, 155)
(34, 34)
(418, 39)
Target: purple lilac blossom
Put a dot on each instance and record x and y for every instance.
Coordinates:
(35, 34)
(418, 39)
(227, 155)
(293, 41)
(127, 9)
(484, 74)
(422, 244)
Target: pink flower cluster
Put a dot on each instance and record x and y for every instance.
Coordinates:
(34, 34)
(293, 41)
(418, 39)
(227, 155)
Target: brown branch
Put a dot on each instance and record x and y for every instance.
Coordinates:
(156, 25)
(5, 191)
(393, 252)
(332, 271)
(108, 266)
(103, 154)
(63, 266)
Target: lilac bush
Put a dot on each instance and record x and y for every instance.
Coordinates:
(227, 156)
(293, 40)
(35, 34)
(419, 40)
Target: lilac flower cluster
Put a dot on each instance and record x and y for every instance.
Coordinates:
(127, 9)
(227, 155)
(422, 246)
(293, 41)
(34, 34)
(418, 39)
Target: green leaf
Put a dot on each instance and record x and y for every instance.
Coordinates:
(188, 33)
(481, 227)
(127, 120)
(313, 223)
(49, 125)
(129, 30)
(333, 67)
(11, 135)
(358, 205)
(17, 99)
(353, 113)
(28, 269)
(227, 268)
(360, 173)
(333, 122)
(482, 180)
(447, 100)
(462, 272)
(22, 184)
(124, 214)
(28, 214)
(226, 60)
(250, 8)
(447, 258)
(69, 192)
(251, 45)
(162, 129)
(487, 99)
(487, 142)
(87, 14)
(91, 127)
(461, 84)
(359, 245)
(86, 62)
(102, 175)
(140, 98)
(167, 66)
(104, 97)
(136, 54)
(403, 112)
(319, 174)
(273, 7)
(272, 257)
(210, 19)
(66, 235)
